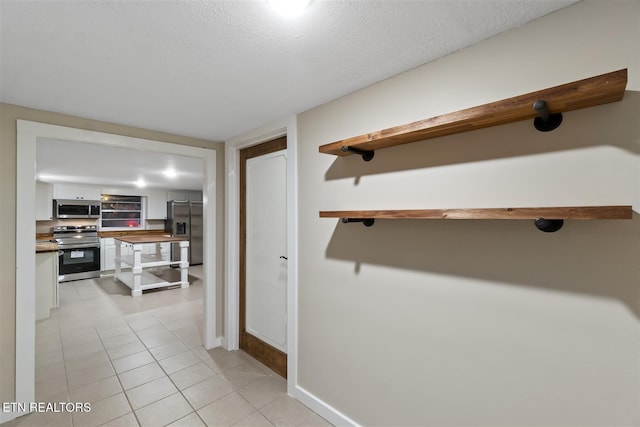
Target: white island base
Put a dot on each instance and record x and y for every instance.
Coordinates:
(138, 279)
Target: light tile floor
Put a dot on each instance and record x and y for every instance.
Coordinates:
(140, 361)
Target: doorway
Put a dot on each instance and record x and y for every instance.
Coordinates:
(27, 135)
(263, 253)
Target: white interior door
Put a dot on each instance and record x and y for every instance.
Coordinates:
(266, 248)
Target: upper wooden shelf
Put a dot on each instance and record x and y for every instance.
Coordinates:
(547, 219)
(585, 93)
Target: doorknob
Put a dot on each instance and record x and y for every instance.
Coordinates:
(283, 257)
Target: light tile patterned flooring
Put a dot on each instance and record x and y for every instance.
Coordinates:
(140, 361)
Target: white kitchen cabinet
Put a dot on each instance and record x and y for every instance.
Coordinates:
(108, 253)
(161, 249)
(76, 192)
(177, 195)
(44, 201)
(194, 196)
(46, 283)
(157, 204)
(185, 195)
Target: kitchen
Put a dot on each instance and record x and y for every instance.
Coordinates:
(88, 220)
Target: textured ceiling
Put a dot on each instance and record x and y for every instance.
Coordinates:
(214, 69)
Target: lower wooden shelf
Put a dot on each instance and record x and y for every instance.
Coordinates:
(147, 280)
(548, 219)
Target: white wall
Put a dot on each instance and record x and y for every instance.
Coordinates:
(479, 322)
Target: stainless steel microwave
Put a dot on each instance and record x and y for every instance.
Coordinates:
(76, 208)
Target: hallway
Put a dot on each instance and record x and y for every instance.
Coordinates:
(140, 361)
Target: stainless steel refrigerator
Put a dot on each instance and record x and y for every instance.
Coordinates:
(184, 219)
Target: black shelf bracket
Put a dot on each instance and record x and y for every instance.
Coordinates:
(368, 222)
(545, 121)
(367, 155)
(545, 225)
(549, 225)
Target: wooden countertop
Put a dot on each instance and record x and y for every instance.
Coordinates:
(128, 233)
(46, 247)
(151, 238)
(49, 236)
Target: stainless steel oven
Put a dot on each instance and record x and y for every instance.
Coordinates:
(79, 252)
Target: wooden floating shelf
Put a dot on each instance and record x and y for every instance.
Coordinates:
(576, 95)
(576, 212)
(547, 219)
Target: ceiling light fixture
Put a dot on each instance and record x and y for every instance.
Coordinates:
(289, 7)
(170, 173)
(140, 183)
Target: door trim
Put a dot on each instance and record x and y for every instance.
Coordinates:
(261, 350)
(233, 146)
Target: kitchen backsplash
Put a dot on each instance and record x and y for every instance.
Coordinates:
(46, 226)
(43, 227)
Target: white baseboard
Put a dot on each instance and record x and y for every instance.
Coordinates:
(216, 343)
(8, 416)
(323, 409)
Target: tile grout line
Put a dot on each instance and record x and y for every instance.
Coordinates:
(64, 363)
(190, 350)
(181, 391)
(111, 360)
(156, 360)
(100, 339)
(119, 382)
(157, 313)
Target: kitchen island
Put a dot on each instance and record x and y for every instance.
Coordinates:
(143, 265)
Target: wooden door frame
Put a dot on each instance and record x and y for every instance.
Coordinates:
(265, 353)
(231, 341)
